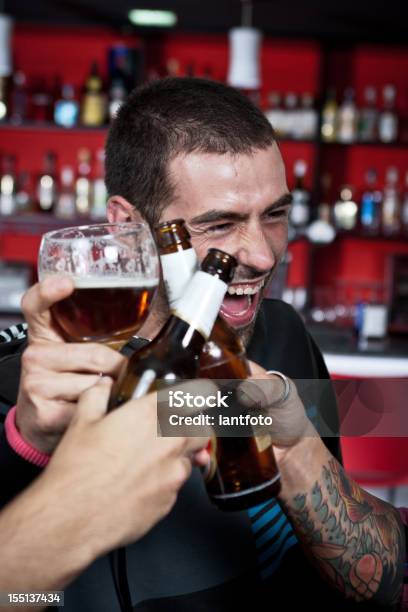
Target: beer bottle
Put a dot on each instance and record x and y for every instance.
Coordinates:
(174, 353)
(243, 471)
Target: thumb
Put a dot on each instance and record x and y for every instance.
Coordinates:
(93, 402)
(36, 305)
(264, 389)
(257, 370)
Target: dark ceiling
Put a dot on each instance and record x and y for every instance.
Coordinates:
(341, 20)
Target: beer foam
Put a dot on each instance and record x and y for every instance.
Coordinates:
(110, 282)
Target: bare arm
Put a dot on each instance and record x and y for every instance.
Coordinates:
(45, 542)
(354, 539)
(110, 480)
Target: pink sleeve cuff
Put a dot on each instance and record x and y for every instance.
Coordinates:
(20, 446)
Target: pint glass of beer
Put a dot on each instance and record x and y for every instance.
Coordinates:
(115, 269)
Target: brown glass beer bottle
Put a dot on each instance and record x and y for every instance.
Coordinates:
(243, 470)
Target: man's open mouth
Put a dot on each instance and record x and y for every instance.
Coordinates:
(241, 302)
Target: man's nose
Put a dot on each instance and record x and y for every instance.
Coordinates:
(254, 250)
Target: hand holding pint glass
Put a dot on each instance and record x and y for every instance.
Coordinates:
(115, 270)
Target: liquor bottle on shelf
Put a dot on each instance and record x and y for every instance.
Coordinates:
(329, 118)
(41, 102)
(345, 210)
(122, 74)
(368, 124)
(172, 67)
(391, 205)
(306, 127)
(19, 99)
(83, 183)
(99, 192)
(8, 186)
(370, 209)
(300, 211)
(93, 110)
(24, 199)
(404, 209)
(117, 95)
(295, 119)
(275, 113)
(65, 208)
(347, 118)
(66, 109)
(321, 231)
(47, 184)
(122, 65)
(388, 120)
(243, 471)
(290, 114)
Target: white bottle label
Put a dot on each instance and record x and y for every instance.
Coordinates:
(178, 269)
(299, 214)
(201, 302)
(388, 127)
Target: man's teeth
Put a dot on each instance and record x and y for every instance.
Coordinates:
(245, 290)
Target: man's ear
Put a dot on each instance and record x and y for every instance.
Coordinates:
(120, 210)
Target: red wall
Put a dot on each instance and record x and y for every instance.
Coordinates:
(286, 65)
(54, 50)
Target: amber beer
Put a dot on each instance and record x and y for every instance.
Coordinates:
(174, 353)
(243, 470)
(104, 309)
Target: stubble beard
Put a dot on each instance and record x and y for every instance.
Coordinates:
(245, 333)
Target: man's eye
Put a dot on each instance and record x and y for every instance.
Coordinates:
(221, 227)
(280, 213)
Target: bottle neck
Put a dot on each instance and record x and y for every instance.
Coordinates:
(178, 269)
(299, 183)
(201, 302)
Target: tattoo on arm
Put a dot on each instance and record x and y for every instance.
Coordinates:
(355, 539)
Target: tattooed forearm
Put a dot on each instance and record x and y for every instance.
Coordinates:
(355, 539)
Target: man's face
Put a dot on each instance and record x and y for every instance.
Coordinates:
(239, 204)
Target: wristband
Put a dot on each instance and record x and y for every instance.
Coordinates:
(21, 446)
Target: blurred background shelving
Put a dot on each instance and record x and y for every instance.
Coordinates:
(300, 55)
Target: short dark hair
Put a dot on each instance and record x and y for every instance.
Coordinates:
(171, 116)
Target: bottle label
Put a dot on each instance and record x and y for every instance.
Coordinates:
(201, 302)
(145, 383)
(178, 269)
(388, 127)
(94, 110)
(299, 214)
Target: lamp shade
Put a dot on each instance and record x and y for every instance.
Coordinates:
(244, 71)
(6, 27)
